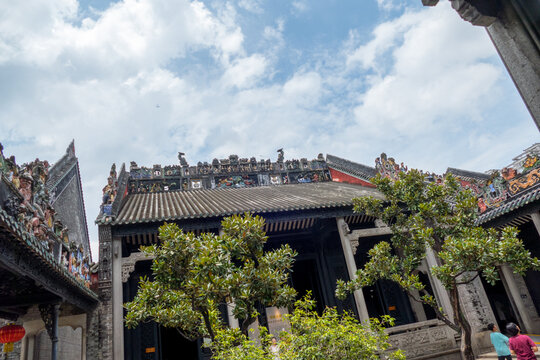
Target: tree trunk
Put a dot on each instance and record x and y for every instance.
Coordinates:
(466, 344)
(461, 320)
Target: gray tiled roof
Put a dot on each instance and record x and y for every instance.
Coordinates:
(510, 205)
(362, 171)
(36, 249)
(175, 205)
(469, 175)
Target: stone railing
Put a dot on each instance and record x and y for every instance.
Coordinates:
(421, 339)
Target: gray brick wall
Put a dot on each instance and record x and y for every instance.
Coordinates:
(105, 294)
(92, 335)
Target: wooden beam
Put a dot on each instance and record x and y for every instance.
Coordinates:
(29, 300)
(361, 233)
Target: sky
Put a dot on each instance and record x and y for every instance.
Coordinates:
(141, 80)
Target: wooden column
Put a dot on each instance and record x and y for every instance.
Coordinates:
(54, 332)
(351, 267)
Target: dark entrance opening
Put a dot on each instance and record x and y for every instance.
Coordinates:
(175, 347)
(500, 304)
(305, 277)
(531, 240)
(384, 297)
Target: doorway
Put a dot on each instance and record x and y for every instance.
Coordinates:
(175, 347)
(304, 278)
(500, 304)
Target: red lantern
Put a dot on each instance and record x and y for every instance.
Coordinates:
(9, 334)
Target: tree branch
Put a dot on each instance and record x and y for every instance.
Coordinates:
(468, 281)
(439, 314)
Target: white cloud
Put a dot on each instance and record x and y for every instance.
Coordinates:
(390, 4)
(438, 75)
(305, 89)
(299, 6)
(130, 35)
(253, 6)
(245, 72)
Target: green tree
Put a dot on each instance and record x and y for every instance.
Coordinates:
(193, 275)
(442, 217)
(329, 336)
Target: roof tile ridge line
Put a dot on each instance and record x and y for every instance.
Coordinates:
(179, 205)
(468, 171)
(224, 197)
(242, 198)
(189, 206)
(131, 206)
(83, 205)
(166, 206)
(66, 155)
(350, 161)
(347, 172)
(160, 213)
(199, 206)
(143, 209)
(194, 203)
(211, 202)
(303, 197)
(287, 200)
(153, 206)
(75, 162)
(290, 200)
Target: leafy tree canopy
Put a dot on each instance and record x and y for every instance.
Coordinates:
(329, 336)
(442, 217)
(193, 275)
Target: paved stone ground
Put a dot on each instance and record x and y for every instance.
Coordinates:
(493, 355)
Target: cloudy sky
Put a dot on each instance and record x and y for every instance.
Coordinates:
(140, 80)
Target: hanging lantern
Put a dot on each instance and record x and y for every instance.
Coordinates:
(9, 334)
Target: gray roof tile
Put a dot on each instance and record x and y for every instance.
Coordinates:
(176, 205)
(362, 171)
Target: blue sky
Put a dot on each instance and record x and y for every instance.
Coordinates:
(140, 80)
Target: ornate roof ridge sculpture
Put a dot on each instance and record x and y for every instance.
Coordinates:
(231, 172)
(24, 197)
(498, 192)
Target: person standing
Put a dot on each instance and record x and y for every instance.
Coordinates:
(500, 343)
(274, 348)
(520, 345)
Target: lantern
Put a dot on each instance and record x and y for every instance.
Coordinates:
(9, 334)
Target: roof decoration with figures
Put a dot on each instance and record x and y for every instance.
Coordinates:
(232, 172)
(498, 191)
(26, 208)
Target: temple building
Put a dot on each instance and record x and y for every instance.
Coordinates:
(45, 259)
(308, 205)
(46, 268)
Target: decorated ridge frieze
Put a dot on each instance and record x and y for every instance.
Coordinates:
(502, 185)
(26, 199)
(232, 172)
